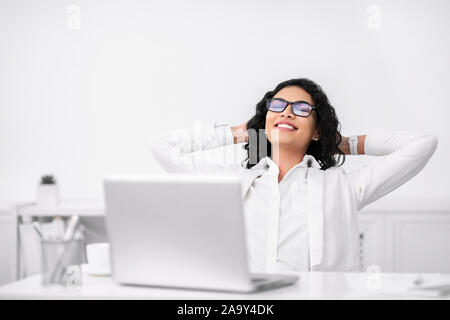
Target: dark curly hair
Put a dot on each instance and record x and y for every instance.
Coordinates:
(323, 150)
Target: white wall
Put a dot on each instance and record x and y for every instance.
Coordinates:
(81, 103)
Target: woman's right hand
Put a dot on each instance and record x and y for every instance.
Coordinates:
(240, 133)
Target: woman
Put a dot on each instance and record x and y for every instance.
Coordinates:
(300, 205)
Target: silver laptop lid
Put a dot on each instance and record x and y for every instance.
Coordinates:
(177, 230)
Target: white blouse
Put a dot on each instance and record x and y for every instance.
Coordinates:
(289, 199)
(280, 236)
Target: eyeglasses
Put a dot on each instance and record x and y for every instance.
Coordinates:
(299, 108)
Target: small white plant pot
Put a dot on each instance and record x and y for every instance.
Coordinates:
(47, 195)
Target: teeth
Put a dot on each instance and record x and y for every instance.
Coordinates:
(283, 125)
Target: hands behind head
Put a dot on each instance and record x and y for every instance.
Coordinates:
(240, 133)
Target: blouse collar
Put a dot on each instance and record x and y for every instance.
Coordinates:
(267, 162)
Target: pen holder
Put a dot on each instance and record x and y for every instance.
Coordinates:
(61, 262)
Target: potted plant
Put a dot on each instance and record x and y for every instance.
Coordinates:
(47, 192)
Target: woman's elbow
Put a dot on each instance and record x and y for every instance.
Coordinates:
(433, 142)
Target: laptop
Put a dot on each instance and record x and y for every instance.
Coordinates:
(181, 231)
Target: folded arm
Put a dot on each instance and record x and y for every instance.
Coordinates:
(403, 154)
(175, 152)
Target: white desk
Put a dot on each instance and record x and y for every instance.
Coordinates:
(312, 285)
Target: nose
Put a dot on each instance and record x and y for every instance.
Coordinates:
(288, 112)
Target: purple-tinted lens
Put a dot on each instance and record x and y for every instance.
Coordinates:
(276, 105)
(301, 109)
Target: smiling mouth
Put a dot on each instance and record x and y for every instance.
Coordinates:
(285, 127)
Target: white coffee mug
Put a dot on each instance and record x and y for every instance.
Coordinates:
(98, 257)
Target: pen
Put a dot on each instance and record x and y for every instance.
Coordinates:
(71, 227)
(37, 228)
(79, 233)
(57, 228)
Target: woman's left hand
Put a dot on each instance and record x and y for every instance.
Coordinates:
(344, 146)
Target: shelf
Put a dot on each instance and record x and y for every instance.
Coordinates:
(67, 209)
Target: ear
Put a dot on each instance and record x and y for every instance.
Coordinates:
(316, 135)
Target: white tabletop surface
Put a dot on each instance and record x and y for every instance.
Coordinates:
(312, 285)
